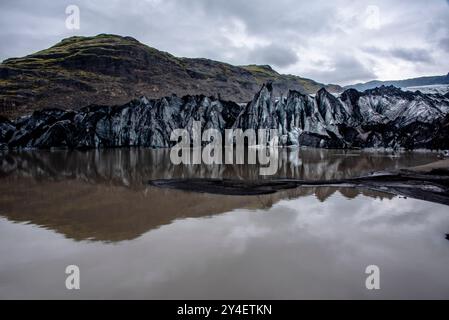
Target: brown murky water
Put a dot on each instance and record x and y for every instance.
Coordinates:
(94, 209)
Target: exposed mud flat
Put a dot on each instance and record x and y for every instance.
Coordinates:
(429, 182)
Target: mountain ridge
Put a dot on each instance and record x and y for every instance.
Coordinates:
(112, 70)
(412, 82)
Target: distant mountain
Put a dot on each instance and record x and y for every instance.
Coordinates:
(414, 82)
(112, 70)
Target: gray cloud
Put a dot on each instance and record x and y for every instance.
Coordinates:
(413, 54)
(344, 69)
(407, 54)
(315, 39)
(275, 55)
(444, 43)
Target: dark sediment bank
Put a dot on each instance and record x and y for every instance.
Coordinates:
(429, 182)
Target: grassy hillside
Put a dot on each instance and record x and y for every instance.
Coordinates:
(110, 69)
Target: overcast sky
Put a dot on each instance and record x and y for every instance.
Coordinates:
(339, 41)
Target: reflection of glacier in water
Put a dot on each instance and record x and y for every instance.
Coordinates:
(76, 193)
(93, 209)
(132, 167)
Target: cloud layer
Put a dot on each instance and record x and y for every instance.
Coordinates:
(338, 41)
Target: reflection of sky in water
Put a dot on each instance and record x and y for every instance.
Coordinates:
(299, 248)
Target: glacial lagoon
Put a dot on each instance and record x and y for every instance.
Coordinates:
(94, 209)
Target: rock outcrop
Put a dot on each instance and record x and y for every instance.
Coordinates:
(385, 117)
(141, 122)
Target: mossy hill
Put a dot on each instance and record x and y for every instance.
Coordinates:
(111, 70)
